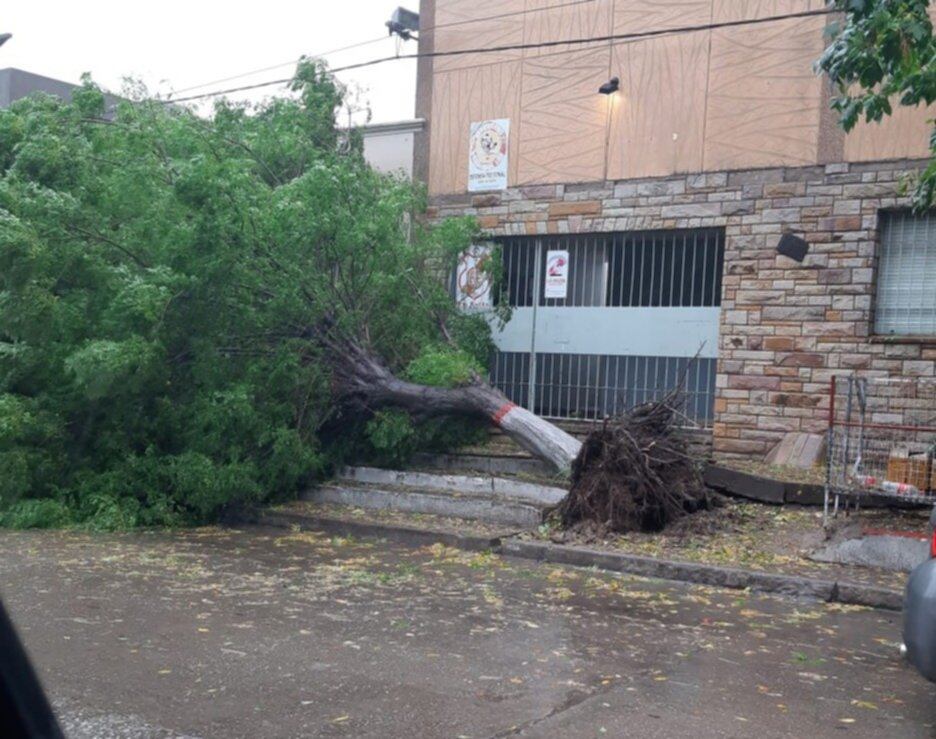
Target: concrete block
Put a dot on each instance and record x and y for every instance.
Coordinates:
(497, 487)
(799, 450)
(480, 508)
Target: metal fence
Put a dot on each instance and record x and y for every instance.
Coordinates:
(882, 440)
(593, 386)
(678, 272)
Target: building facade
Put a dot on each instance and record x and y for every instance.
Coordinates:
(18, 83)
(669, 199)
(388, 147)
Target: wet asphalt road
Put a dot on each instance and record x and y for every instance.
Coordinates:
(259, 633)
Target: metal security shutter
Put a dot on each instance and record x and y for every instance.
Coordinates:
(906, 280)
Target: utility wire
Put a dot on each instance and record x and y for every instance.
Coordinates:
(279, 66)
(636, 36)
(376, 40)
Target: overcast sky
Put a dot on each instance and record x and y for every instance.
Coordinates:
(172, 45)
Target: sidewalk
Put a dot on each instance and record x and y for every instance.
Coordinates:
(743, 545)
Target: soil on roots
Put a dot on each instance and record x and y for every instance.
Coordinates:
(635, 473)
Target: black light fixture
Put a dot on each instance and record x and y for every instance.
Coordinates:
(610, 87)
(793, 247)
(4, 37)
(403, 23)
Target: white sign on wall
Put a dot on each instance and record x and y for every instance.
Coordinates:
(557, 274)
(472, 282)
(488, 145)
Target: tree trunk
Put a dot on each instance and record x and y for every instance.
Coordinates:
(368, 379)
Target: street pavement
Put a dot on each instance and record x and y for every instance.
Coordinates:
(265, 633)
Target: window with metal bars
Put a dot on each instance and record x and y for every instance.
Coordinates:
(678, 268)
(905, 301)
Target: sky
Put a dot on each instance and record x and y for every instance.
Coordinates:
(171, 45)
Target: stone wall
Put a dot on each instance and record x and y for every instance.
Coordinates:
(786, 327)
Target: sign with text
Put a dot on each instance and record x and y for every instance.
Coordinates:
(488, 144)
(557, 274)
(472, 281)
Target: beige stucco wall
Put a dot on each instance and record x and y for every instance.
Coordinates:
(715, 100)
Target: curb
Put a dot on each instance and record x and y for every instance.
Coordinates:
(399, 533)
(703, 574)
(830, 591)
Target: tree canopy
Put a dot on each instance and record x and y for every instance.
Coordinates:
(882, 53)
(174, 288)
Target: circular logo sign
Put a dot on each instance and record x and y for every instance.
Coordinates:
(473, 280)
(488, 145)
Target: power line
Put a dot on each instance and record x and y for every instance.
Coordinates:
(376, 40)
(280, 66)
(636, 36)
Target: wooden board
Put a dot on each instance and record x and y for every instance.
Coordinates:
(460, 97)
(764, 99)
(549, 20)
(461, 24)
(632, 16)
(563, 119)
(656, 121)
(905, 134)
(734, 98)
(732, 10)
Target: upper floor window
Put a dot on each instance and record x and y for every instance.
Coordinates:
(906, 280)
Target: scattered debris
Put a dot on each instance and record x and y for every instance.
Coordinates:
(888, 551)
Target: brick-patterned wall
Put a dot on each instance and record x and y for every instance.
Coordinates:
(785, 328)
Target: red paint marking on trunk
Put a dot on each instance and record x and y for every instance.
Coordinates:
(886, 532)
(501, 412)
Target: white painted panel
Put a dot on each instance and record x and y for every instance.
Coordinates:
(517, 335)
(390, 152)
(647, 332)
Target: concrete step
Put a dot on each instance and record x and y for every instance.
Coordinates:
(479, 507)
(499, 487)
(485, 464)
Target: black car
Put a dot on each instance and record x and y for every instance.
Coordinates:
(919, 631)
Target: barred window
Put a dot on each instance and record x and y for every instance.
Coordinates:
(677, 268)
(906, 281)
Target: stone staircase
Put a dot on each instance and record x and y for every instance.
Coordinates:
(499, 455)
(501, 500)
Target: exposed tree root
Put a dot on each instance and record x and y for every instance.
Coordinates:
(635, 473)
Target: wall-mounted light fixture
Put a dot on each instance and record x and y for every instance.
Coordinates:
(610, 87)
(793, 247)
(403, 23)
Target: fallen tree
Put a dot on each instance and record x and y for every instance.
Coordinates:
(364, 379)
(189, 303)
(635, 473)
